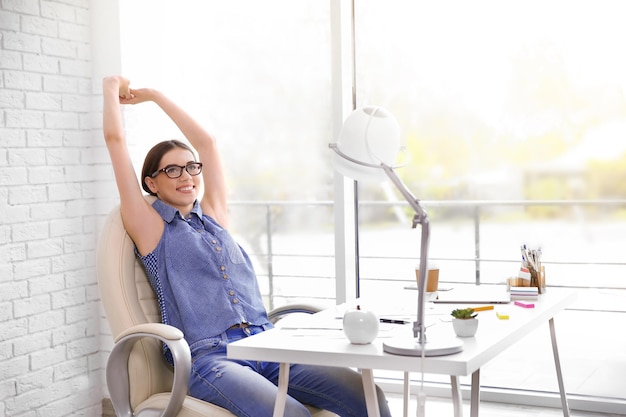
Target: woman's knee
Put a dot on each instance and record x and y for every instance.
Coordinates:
(240, 390)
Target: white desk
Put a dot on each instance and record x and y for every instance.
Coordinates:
(494, 336)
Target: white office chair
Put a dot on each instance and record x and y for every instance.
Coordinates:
(139, 379)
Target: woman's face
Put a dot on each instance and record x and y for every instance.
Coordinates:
(178, 192)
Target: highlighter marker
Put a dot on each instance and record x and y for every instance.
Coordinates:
(524, 305)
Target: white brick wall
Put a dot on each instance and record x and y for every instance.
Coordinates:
(55, 187)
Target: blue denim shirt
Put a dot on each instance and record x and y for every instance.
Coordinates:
(204, 281)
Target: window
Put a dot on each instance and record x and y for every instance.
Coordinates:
(505, 107)
(258, 75)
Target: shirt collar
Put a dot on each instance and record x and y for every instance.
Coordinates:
(168, 213)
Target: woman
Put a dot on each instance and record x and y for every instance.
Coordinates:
(204, 281)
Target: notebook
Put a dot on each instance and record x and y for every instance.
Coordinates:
(474, 294)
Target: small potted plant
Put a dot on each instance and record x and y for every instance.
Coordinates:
(464, 322)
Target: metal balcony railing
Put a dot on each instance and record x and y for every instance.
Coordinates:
(278, 234)
(292, 246)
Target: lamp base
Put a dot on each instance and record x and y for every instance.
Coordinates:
(410, 347)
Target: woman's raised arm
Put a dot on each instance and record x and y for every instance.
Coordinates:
(142, 222)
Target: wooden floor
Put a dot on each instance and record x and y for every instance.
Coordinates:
(442, 407)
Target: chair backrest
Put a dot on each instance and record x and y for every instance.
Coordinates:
(129, 300)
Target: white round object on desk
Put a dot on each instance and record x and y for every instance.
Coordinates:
(360, 326)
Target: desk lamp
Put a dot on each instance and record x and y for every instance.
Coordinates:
(365, 150)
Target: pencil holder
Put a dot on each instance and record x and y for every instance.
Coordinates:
(531, 264)
(538, 279)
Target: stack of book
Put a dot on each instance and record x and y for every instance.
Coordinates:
(524, 293)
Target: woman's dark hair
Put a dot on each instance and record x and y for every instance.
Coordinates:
(154, 156)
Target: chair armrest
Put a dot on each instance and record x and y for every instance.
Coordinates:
(158, 330)
(117, 366)
(280, 312)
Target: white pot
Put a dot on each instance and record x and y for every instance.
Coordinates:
(465, 327)
(360, 326)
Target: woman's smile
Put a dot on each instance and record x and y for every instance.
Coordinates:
(187, 188)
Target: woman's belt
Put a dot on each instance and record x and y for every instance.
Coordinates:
(239, 326)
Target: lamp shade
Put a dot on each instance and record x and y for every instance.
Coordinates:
(371, 136)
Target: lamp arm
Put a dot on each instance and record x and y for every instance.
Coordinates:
(421, 218)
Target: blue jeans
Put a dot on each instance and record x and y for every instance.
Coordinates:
(248, 388)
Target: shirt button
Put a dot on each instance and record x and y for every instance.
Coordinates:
(214, 241)
(235, 301)
(231, 292)
(223, 268)
(218, 249)
(199, 230)
(225, 276)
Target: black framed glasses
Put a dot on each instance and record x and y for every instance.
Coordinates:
(175, 171)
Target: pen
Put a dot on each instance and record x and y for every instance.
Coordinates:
(393, 321)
